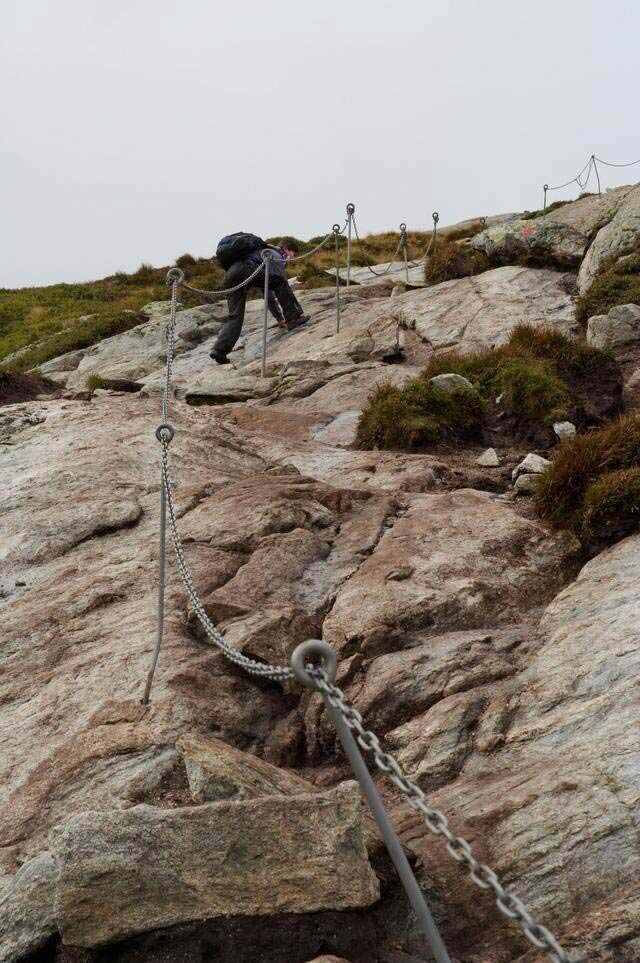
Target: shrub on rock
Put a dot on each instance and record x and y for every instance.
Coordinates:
(593, 485)
(418, 415)
(452, 260)
(521, 389)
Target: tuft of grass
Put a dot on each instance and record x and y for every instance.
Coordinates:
(617, 283)
(418, 415)
(539, 373)
(451, 260)
(532, 215)
(593, 485)
(611, 508)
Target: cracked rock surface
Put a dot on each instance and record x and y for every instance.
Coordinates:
(505, 685)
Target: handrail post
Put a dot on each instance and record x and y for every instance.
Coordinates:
(322, 650)
(595, 167)
(336, 234)
(403, 239)
(351, 208)
(266, 257)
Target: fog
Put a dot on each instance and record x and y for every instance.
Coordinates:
(137, 131)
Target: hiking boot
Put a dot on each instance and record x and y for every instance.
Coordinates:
(219, 357)
(297, 322)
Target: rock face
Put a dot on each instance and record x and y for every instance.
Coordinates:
(470, 314)
(451, 542)
(27, 908)
(126, 873)
(422, 570)
(561, 236)
(621, 326)
(620, 236)
(217, 771)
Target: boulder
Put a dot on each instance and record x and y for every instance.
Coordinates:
(226, 385)
(472, 314)
(620, 326)
(565, 430)
(620, 236)
(451, 383)
(560, 236)
(531, 465)
(123, 873)
(488, 458)
(538, 238)
(217, 771)
(526, 484)
(27, 908)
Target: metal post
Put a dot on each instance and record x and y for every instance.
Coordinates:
(302, 654)
(403, 238)
(595, 167)
(162, 561)
(336, 234)
(545, 188)
(435, 217)
(266, 257)
(350, 212)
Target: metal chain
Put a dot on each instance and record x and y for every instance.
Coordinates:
(318, 247)
(164, 434)
(221, 292)
(609, 164)
(457, 847)
(378, 274)
(574, 180)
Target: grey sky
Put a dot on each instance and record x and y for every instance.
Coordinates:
(136, 130)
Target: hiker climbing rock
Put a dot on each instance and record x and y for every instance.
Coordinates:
(241, 255)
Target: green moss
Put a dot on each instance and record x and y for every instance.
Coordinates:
(418, 415)
(573, 493)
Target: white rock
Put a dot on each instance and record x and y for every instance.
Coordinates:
(531, 465)
(620, 326)
(618, 237)
(564, 430)
(451, 382)
(526, 484)
(488, 458)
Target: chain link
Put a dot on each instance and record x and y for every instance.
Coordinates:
(318, 247)
(377, 274)
(164, 434)
(457, 847)
(609, 164)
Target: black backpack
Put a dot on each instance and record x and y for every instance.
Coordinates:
(235, 247)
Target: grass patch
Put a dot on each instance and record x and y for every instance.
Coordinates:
(17, 386)
(593, 485)
(617, 283)
(451, 260)
(540, 377)
(50, 321)
(418, 415)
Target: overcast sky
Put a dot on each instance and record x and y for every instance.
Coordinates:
(137, 130)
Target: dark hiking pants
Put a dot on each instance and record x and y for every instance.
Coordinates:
(282, 302)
